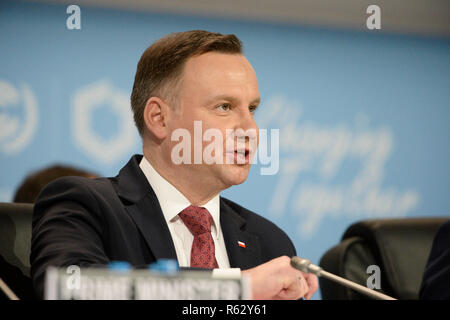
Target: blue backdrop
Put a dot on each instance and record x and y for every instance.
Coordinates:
(363, 116)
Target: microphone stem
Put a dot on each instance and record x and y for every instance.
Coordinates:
(372, 293)
(4, 287)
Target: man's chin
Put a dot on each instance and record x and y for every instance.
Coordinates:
(237, 174)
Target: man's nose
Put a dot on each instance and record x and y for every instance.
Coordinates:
(247, 121)
(247, 129)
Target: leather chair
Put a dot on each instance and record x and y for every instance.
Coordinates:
(399, 247)
(15, 235)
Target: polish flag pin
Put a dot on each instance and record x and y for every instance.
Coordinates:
(241, 244)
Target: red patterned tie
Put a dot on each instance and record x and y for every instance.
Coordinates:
(198, 220)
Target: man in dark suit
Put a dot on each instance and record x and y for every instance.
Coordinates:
(436, 278)
(166, 203)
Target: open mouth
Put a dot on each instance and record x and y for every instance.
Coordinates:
(242, 152)
(241, 156)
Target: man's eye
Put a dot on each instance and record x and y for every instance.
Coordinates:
(224, 107)
(252, 109)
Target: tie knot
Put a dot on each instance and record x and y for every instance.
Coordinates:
(197, 219)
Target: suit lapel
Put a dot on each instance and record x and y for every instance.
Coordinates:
(233, 228)
(145, 210)
(150, 220)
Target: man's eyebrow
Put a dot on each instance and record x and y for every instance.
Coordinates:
(230, 98)
(256, 101)
(220, 97)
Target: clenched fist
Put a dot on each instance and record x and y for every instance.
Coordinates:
(277, 280)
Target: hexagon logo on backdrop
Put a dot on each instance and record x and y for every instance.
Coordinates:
(18, 117)
(86, 135)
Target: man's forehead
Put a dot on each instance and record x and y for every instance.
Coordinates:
(213, 76)
(210, 61)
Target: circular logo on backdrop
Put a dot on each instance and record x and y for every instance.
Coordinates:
(121, 137)
(18, 117)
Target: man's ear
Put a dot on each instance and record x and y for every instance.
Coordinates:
(155, 117)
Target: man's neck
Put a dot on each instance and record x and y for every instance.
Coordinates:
(197, 192)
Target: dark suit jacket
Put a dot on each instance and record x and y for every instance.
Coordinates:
(436, 279)
(90, 222)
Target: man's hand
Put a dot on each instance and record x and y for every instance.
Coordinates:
(277, 280)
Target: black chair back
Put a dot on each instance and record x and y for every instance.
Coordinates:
(399, 247)
(15, 244)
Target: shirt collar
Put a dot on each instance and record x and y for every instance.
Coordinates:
(171, 200)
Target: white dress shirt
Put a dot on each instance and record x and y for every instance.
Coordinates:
(172, 202)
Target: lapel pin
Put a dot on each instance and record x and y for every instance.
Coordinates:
(241, 244)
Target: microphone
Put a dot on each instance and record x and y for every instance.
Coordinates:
(306, 266)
